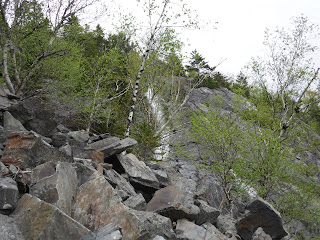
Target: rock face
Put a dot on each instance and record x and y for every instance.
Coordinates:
(58, 189)
(174, 203)
(8, 194)
(39, 220)
(190, 231)
(9, 229)
(138, 172)
(263, 215)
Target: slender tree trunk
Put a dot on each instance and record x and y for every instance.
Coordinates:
(135, 91)
(5, 68)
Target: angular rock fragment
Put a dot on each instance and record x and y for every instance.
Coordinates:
(187, 230)
(263, 215)
(111, 231)
(103, 143)
(9, 229)
(139, 174)
(10, 124)
(35, 115)
(119, 182)
(260, 234)
(174, 203)
(3, 169)
(212, 233)
(37, 219)
(97, 204)
(227, 225)
(117, 147)
(8, 194)
(58, 189)
(162, 177)
(25, 149)
(136, 202)
(42, 171)
(207, 213)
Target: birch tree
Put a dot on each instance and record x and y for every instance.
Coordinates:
(288, 71)
(160, 17)
(38, 21)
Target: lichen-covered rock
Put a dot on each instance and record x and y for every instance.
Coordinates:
(136, 202)
(58, 189)
(9, 229)
(174, 203)
(207, 213)
(263, 215)
(37, 219)
(8, 193)
(187, 230)
(96, 205)
(139, 173)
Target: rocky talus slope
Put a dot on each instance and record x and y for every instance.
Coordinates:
(56, 183)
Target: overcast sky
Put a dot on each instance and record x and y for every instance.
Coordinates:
(239, 33)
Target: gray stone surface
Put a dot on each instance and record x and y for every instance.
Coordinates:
(138, 171)
(3, 169)
(259, 234)
(136, 202)
(118, 147)
(9, 229)
(119, 182)
(58, 189)
(227, 225)
(103, 143)
(8, 193)
(37, 219)
(111, 231)
(263, 215)
(187, 230)
(174, 203)
(212, 233)
(207, 213)
(10, 124)
(42, 171)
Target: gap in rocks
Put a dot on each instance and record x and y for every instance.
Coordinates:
(147, 192)
(116, 165)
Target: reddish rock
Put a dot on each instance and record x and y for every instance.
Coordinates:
(26, 150)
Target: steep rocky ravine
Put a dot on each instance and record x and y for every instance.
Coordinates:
(56, 183)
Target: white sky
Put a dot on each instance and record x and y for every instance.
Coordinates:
(241, 23)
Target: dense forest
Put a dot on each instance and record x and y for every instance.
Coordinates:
(111, 79)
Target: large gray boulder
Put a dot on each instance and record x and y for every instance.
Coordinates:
(97, 204)
(207, 213)
(35, 115)
(139, 173)
(111, 231)
(187, 230)
(119, 182)
(115, 147)
(10, 124)
(263, 215)
(8, 194)
(58, 189)
(37, 219)
(175, 203)
(9, 229)
(27, 150)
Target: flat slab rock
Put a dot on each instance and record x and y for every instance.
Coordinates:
(138, 171)
(37, 219)
(263, 215)
(174, 203)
